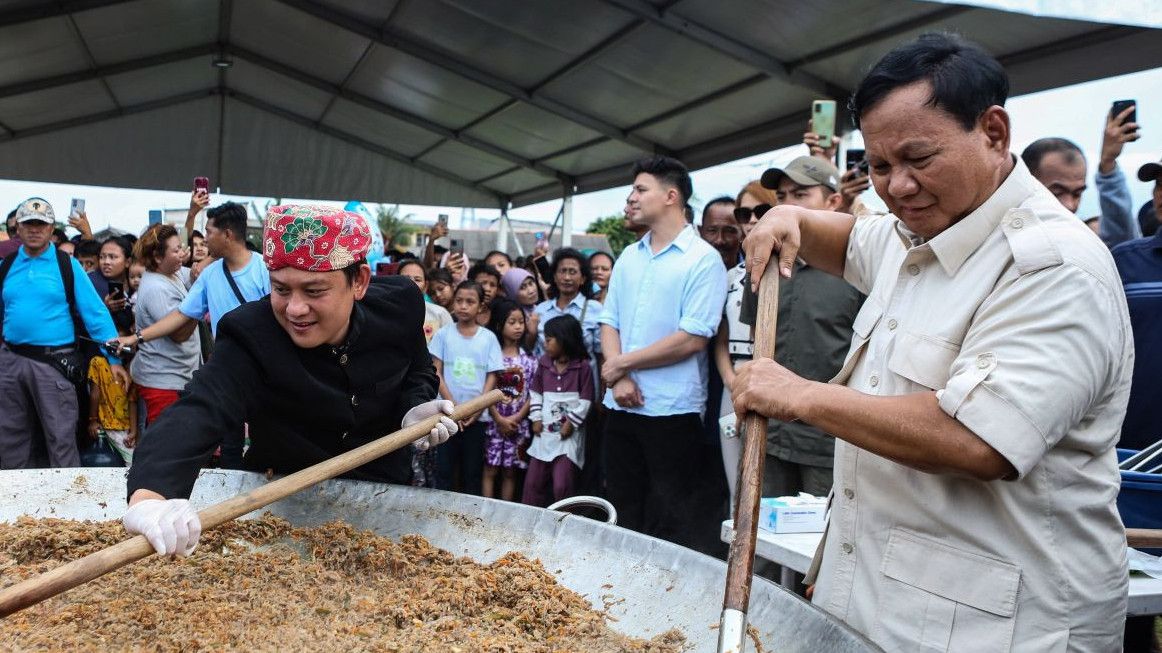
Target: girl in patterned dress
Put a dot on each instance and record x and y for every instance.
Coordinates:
(508, 432)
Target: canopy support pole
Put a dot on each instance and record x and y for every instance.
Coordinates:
(567, 219)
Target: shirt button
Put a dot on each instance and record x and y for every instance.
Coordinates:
(1017, 223)
(913, 269)
(343, 359)
(354, 400)
(849, 493)
(892, 324)
(847, 547)
(344, 436)
(982, 361)
(874, 381)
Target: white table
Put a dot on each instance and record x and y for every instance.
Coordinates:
(794, 551)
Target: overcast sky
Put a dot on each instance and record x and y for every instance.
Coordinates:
(1074, 112)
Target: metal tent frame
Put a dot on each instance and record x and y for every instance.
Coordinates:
(490, 103)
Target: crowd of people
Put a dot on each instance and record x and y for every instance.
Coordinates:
(623, 375)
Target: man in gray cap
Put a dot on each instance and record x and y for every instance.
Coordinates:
(816, 312)
(808, 182)
(45, 294)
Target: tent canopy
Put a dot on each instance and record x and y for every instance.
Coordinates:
(479, 103)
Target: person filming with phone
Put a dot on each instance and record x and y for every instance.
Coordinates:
(977, 409)
(822, 143)
(111, 280)
(1060, 165)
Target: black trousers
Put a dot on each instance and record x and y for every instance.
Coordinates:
(662, 480)
(460, 461)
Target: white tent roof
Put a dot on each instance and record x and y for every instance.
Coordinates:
(461, 102)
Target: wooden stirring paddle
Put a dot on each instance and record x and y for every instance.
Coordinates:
(740, 562)
(67, 576)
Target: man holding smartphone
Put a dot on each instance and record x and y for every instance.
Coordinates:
(854, 179)
(1060, 165)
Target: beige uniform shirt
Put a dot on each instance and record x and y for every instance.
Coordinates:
(1016, 318)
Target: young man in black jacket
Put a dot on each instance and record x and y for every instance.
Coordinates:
(325, 364)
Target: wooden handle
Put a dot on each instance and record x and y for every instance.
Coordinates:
(740, 562)
(67, 576)
(1144, 537)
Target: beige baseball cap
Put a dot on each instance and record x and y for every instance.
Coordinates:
(805, 171)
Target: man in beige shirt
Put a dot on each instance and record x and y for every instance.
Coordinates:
(975, 474)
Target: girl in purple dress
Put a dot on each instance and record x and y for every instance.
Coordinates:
(508, 432)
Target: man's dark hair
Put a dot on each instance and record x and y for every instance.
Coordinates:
(565, 253)
(87, 248)
(1041, 147)
(9, 222)
(669, 171)
(351, 271)
(721, 199)
(480, 267)
(58, 236)
(965, 79)
(231, 217)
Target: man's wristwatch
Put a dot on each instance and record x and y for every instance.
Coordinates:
(140, 338)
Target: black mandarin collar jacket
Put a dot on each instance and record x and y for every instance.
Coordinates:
(302, 405)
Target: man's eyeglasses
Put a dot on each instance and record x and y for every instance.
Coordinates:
(743, 214)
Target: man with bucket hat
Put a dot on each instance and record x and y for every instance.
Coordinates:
(329, 361)
(47, 302)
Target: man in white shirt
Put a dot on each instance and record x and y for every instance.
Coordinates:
(978, 408)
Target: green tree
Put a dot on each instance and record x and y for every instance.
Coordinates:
(613, 228)
(396, 229)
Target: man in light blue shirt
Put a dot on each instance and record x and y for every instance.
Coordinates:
(40, 345)
(664, 302)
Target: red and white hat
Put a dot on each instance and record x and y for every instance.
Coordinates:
(313, 238)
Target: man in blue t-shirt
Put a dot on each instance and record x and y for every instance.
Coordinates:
(216, 292)
(39, 357)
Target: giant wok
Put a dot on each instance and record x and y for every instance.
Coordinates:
(649, 585)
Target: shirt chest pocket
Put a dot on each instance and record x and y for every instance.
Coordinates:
(924, 360)
(936, 597)
(861, 329)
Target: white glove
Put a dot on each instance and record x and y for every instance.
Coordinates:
(444, 428)
(171, 526)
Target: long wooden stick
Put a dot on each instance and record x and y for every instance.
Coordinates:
(1144, 538)
(94, 565)
(740, 562)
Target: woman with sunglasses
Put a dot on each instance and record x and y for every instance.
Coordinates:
(750, 205)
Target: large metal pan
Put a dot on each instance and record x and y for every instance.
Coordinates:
(648, 585)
